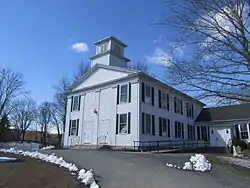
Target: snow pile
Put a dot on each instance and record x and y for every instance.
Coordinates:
(86, 177)
(48, 147)
(198, 162)
(7, 159)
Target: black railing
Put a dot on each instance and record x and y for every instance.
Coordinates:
(168, 144)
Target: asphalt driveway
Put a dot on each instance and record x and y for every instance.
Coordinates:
(116, 169)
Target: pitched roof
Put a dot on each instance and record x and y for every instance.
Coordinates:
(225, 113)
(94, 68)
(131, 72)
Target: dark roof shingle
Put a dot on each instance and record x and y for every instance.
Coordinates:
(223, 113)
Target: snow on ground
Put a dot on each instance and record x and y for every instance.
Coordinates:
(24, 146)
(86, 177)
(7, 159)
(244, 162)
(198, 162)
(48, 147)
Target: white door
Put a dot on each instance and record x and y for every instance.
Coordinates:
(104, 132)
(220, 136)
(87, 132)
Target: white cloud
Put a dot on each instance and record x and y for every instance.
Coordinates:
(79, 47)
(165, 56)
(159, 56)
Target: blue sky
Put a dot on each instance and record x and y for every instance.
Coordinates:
(36, 36)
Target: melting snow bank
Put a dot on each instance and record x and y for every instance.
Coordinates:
(86, 177)
(48, 147)
(7, 159)
(238, 161)
(198, 162)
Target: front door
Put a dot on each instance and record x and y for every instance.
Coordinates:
(220, 136)
(104, 132)
(88, 132)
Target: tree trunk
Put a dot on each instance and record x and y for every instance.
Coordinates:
(23, 135)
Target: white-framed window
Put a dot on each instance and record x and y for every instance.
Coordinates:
(75, 103)
(179, 129)
(103, 47)
(243, 131)
(191, 132)
(189, 109)
(124, 93)
(178, 105)
(148, 124)
(74, 124)
(163, 100)
(164, 127)
(123, 124)
(204, 134)
(147, 93)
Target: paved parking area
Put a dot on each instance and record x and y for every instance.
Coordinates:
(117, 169)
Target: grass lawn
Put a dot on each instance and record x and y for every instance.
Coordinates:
(30, 173)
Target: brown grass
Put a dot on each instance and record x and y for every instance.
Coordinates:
(30, 173)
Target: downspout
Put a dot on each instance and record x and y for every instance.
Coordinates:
(97, 125)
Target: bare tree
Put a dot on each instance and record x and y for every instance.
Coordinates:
(58, 119)
(44, 118)
(217, 32)
(139, 65)
(11, 85)
(82, 68)
(23, 115)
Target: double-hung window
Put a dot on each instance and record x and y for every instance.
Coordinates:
(123, 123)
(74, 125)
(148, 124)
(243, 131)
(147, 94)
(178, 106)
(179, 130)
(164, 127)
(163, 100)
(189, 109)
(75, 103)
(124, 94)
(191, 132)
(203, 133)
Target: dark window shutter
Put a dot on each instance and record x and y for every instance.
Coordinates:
(129, 122)
(168, 102)
(160, 126)
(187, 111)
(143, 92)
(118, 93)
(237, 131)
(153, 125)
(175, 128)
(71, 103)
(129, 92)
(159, 98)
(193, 132)
(182, 130)
(79, 104)
(168, 127)
(117, 123)
(143, 123)
(69, 127)
(77, 127)
(198, 133)
(174, 104)
(153, 95)
(181, 107)
(192, 112)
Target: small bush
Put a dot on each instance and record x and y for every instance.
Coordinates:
(239, 142)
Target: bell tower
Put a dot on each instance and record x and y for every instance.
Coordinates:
(109, 51)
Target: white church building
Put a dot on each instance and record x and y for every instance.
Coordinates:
(119, 107)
